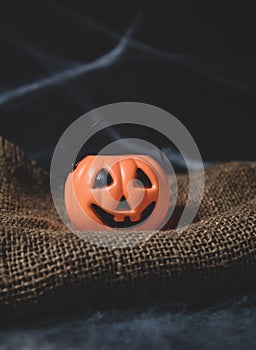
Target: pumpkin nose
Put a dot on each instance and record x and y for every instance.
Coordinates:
(123, 204)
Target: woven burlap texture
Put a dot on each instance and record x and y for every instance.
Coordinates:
(41, 259)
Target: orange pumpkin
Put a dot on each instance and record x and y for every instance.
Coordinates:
(120, 192)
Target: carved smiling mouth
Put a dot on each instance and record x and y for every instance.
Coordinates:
(108, 219)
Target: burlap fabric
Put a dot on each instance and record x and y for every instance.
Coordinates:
(42, 262)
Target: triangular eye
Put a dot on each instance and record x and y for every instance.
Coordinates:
(143, 179)
(103, 179)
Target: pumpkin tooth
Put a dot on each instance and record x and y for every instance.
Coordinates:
(135, 217)
(119, 218)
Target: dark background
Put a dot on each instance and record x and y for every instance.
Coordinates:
(61, 59)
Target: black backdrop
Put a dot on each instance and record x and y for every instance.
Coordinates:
(62, 59)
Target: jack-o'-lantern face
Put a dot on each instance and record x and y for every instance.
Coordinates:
(119, 192)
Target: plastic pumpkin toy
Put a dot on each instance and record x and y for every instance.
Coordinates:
(117, 192)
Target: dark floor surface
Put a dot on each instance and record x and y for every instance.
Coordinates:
(228, 325)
